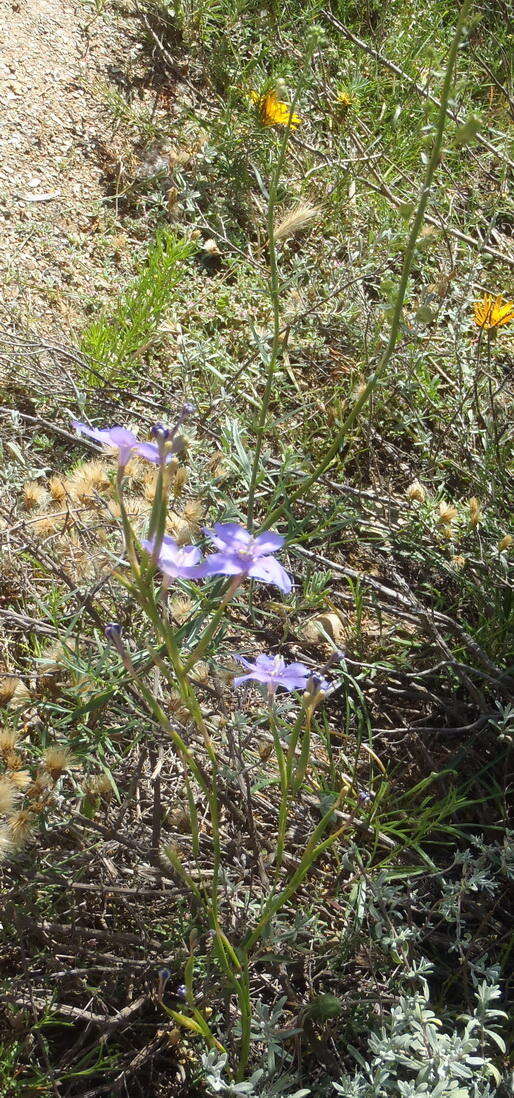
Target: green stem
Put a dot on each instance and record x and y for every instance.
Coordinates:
(312, 851)
(383, 363)
(274, 294)
(210, 630)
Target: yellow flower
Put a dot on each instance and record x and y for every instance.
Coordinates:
(344, 99)
(273, 112)
(492, 312)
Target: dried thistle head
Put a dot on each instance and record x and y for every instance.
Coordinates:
(179, 710)
(33, 495)
(57, 488)
(20, 779)
(458, 561)
(202, 672)
(136, 470)
(19, 826)
(150, 485)
(181, 608)
(475, 512)
(446, 530)
(296, 220)
(8, 740)
(8, 794)
(6, 844)
(113, 510)
(13, 761)
(87, 480)
(56, 760)
(39, 789)
(48, 524)
(506, 542)
(179, 481)
(13, 692)
(416, 491)
(178, 528)
(193, 513)
(99, 786)
(137, 508)
(8, 685)
(447, 513)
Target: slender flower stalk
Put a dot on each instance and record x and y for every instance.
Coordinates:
(274, 284)
(383, 363)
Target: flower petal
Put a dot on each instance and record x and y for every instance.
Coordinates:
(222, 564)
(269, 542)
(230, 535)
(269, 570)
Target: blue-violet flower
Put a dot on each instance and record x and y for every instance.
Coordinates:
(177, 561)
(122, 440)
(242, 554)
(273, 671)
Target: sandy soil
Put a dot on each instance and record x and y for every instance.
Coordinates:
(57, 230)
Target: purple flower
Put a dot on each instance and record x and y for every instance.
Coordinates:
(118, 438)
(241, 554)
(273, 671)
(177, 561)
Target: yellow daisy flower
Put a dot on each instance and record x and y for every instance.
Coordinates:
(491, 312)
(273, 112)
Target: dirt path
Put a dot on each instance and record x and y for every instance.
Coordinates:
(57, 233)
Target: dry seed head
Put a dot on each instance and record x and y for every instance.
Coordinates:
(136, 470)
(459, 561)
(8, 794)
(20, 779)
(97, 474)
(296, 220)
(19, 825)
(180, 609)
(56, 760)
(21, 696)
(34, 495)
(179, 481)
(39, 788)
(415, 491)
(475, 513)
(113, 510)
(180, 529)
(8, 740)
(57, 489)
(8, 684)
(202, 672)
(505, 542)
(150, 485)
(137, 508)
(13, 761)
(179, 710)
(446, 531)
(101, 786)
(193, 513)
(447, 513)
(48, 524)
(6, 844)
